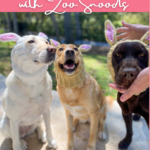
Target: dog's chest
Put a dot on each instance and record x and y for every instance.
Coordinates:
(77, 111)
(73, 106)
(70, 95)
(39, 94)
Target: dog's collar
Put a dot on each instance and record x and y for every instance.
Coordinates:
(71, 81)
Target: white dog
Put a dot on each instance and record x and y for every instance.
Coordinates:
(27, 98)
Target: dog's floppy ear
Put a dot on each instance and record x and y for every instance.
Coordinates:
(9, 37)
(110, 33)
(145, 38)
(41, 34)
(85, 47)
(54, 43)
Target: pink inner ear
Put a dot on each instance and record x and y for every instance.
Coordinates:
(147, 37)
(7, 37)
(55, 42)
(110, 32)
(42, 34)
(85, 46)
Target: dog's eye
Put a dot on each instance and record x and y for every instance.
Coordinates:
(141, 54)
(31, 41)
(61, 49)
(118, 55)
(75, 49)
(47, 43)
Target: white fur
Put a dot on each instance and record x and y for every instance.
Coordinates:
(102, 135)
(27, 98)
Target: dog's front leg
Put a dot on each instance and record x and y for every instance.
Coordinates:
(51, 142)
(127, 140)
(93, 130)
(70, 143)
(16, 142)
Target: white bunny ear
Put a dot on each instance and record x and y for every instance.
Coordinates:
(9, 37)
(85, 48)
(54, 43)
(41, 34)
(145, 38)
(110, 32)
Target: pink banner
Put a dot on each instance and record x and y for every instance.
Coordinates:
(74, 6)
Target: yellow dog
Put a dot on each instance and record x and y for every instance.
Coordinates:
(79, 93)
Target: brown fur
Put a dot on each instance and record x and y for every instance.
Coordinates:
(89, 96)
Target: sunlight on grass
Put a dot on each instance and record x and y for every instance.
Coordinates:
(5, 52)
(96, 66)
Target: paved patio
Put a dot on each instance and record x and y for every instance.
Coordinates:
(115, 130)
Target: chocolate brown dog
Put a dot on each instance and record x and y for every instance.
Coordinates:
(126, 59)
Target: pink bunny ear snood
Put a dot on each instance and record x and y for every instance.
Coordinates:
(112, 48)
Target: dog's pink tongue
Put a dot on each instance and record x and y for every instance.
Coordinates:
(69, 66)
(119, 86)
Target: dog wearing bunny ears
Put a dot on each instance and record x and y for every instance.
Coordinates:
(27, 98)
(79, 93)
(126, 59)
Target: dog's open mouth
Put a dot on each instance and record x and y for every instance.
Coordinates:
(69, 66)
(121, 87)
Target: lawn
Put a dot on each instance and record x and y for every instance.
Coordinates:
(96, 65)
(5, 51)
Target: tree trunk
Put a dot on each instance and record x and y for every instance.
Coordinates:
(29, 17)
(68, 28)
(78, 27)
(15, 23)
(4, 21)
(55, 26)
(9, 22)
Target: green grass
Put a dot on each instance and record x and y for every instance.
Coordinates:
(96, 66)
(5, 52)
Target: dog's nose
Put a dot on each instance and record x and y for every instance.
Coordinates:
(69, 52)
(51, 50)
(129, 74)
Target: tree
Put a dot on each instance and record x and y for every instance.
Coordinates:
(15, 23)
(68, 28)
(55, 26)
(78, 27)
(9, 21)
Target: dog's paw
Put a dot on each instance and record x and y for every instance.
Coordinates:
(52, 144)
(42, 137)
(23, 144)
(123, 145)
(136, 117)
(70, 148)
(102, 135)
(90, 148)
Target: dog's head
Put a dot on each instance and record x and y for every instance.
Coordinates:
(128, 59)
(34, 48)
(69, 57)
